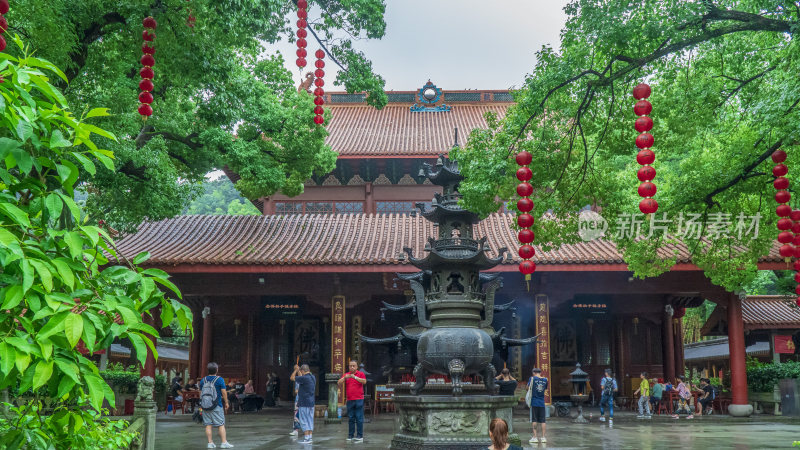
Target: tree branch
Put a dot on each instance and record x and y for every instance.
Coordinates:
(746, 173)
(92, 33)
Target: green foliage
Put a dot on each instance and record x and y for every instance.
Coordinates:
(125, 379)
(772, 282)
(763, 377)
(694, 320)
(222, 96)
(221, 197)
(58, 285)
(725, 95)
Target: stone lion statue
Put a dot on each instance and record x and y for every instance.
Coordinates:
(145, 388)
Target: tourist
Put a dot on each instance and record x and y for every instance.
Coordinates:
(537, 385)
(657, 392)
(296, 421)
(683, 399)
(644, 397)
(506, 383)
(212, 402)
(608, 386)
(305, 400)
(177, 389)
(270, 397)
(498, 433)
(354, 381)
(191, 385)
(707, 397)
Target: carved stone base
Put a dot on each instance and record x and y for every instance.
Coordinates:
(447, 422)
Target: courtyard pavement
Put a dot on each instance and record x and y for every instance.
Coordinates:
(269, 429)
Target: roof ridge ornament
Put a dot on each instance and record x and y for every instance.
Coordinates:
(428, 96)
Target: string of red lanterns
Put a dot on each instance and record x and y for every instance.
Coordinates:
(3, 23)
(782, 196)
(525, 219)
(302, 15)
(148, 61)
(795, 217)
(191, 19)
(645, 157)
(319, 119)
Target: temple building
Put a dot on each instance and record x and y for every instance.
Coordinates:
(307, 278)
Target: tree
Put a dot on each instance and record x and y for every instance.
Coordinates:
(220, 99)
(725, 97)
(61, 288)
(221, 197)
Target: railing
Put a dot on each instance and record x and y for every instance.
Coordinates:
(456, 244)
(137, 426)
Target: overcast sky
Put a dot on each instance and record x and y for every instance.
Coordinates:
(458, 44)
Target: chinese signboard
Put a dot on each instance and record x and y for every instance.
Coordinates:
(280, 306)
(338, 356)
(542, 305)
(784, 344)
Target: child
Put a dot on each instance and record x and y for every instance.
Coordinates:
(683, 399)
(644, 399)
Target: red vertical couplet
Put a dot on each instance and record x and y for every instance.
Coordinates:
(148, 61)
(645, 157)
(542, 304)
(525, 219)
(3, 23)
(319, 118)
(338, 362)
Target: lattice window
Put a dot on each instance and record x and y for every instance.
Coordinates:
(319, 207)
(288, 208)
(503, 97)
(402, 98)
(348, 98)
(462, 97)
(395, 207)
(349, 207)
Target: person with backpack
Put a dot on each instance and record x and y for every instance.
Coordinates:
(684, 394)
(212, 397)
(608, 386)
(305, 400)
(537, 385)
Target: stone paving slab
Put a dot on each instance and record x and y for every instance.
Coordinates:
(269, 430)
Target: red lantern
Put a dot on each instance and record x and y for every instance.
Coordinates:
(783, 210)
(796, 266)
(646, 173)
(319, 110)
(301, 62)
(148, 35)
(645, 157)
(524, 189)
(797, 277)
(319, 120)
(526, 251)
(2, 43)
(786, 250)
(145, 97)
(780, 170)
(784, 224)
(320, 54)
(148, 60)
(319, 101)
(302, 14)
(301, 53)
(796, 230)
(524, 158)
(525, 220)
(302, 43)
(642, 108)
(3, 24)
(641, 91)
(645, 140)
(319, 64)
(319, 92)
(302, 23)
(302, 4)
(149, 22)
(525, 236)
(679, 312)
(648, 206)
(302, 33)
(146, 85)
(781, 183)
(643, 124)
(319, 73)
(145, 110)
(525, 204)
(524, 174)
(797, 302)
(147, 73)
(647, 189)
(527, 267)
(783, 196)
(795, 215)
(3, 6)
(796, 242)
(778, 156)
(319, 82)
(146, 49)
(785, 237)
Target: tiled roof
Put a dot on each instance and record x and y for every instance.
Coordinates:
(718, 349)
(359, 130)
(164, 352)
(333, 239)
(770, 311)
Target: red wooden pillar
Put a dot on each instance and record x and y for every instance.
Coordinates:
(678, 339)
(194, 348)
(205, 351)
(668, 338)
(739, 407)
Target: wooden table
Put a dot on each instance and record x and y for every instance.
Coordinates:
(191, 398)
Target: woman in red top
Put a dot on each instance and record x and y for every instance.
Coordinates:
(354, 381)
